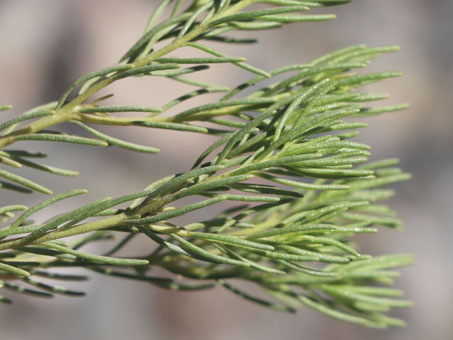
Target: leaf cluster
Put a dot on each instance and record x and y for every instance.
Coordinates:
(301, 187)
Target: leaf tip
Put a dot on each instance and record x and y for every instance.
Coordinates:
(5, 107)
(46, 191)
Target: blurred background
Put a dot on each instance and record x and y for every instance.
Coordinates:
(47, 44)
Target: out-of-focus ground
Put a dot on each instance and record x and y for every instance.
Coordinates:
(46, 44)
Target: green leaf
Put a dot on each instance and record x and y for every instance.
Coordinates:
(337, 314)
(25, 182)
(24, 117)
(207, 255)
(51, 137)
(96, 258)
(118, 142)
(81, 80)
(13, 270)
(46, 203)
(271, 305)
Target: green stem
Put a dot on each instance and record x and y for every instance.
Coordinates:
(60, 116)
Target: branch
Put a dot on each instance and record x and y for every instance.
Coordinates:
(302, 189)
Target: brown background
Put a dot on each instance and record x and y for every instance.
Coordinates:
(46, 44)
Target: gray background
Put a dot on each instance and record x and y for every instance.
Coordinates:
(46, 44)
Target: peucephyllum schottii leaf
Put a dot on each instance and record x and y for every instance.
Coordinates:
(301, 187)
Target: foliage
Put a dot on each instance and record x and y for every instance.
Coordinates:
(284, 153)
